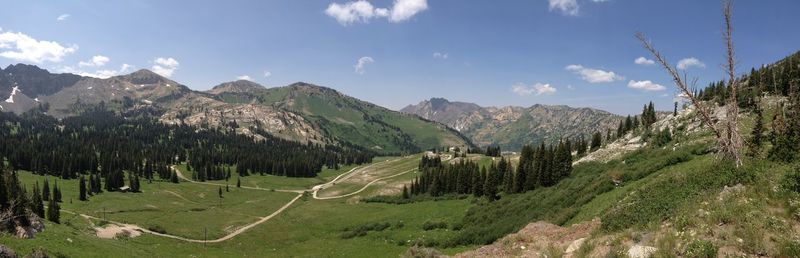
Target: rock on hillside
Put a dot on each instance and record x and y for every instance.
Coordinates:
(512, 127)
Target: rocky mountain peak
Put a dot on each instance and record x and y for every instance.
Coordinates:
(238, 86)
(145, 76)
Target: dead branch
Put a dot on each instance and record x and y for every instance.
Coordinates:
(680, 83)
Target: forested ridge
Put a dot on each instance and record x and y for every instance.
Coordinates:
(104, 144)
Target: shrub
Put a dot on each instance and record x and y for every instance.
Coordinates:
(362, 230)
(790, 249)
(431, 225)
(157, 229)
(701, 249)
(791, 181)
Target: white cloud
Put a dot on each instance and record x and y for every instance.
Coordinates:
(102, 74)
(96, 61)
(363, 61)
(537, 89)
(267, 74)
(644, 61)
(352, 12)
(244, 77)
(438, 55)
(362, 11)
(690, 62)
(568, 7)
(62, 17)
(594, 75)
(21, 47)
(405, 9)
(165, 66)
(645, 85)
(570, 87)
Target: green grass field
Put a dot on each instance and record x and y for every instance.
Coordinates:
(308, 228)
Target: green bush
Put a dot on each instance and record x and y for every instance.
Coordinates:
(431, 225)
(362, 230)
(701, 249)
(791, 181)
(157, 229)
(790, 249)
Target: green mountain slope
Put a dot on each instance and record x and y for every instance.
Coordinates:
(347, 119)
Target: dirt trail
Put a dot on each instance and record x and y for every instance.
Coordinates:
(243, 229)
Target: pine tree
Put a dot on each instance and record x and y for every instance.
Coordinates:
(37, 205)
(53, 211)
(82, 189)
(4, 200)
(174, 178)
(490, 186)
(758, 130)
(675, 112)
(220, 192)
(227, 188)
(597, 141)
(405, 192)
(238, 182)
(56, 192)
(46, 191)
(90, 188)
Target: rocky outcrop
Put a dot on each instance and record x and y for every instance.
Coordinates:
(512, 127)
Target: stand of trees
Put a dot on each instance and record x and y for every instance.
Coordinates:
(106, 146)
(540, 166)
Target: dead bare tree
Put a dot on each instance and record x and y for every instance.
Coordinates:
(729, 142)
(734, 139)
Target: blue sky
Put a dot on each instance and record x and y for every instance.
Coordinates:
(493, 53)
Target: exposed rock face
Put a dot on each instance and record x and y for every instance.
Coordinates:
(301, 112)
(535, 239)
(205, 112)
(37, 225)
(512, 127)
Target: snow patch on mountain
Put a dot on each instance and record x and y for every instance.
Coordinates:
(14, 91)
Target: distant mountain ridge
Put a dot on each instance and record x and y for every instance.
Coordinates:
(512, 127)
(301, 111)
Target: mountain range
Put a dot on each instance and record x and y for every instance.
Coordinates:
(301, 111)
(512, 127)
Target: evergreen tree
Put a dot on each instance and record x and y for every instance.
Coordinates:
(174, 178)
(53, 211)
(238, 182)
(754, 143)
(675, 111)
(4, 200)
(405, 192)
(597, 141)
(56, 192)
(46, 191)
(220, 192)
(82, 189)
(490, 186)
(37, 205)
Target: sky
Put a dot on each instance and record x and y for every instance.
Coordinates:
(393, 53)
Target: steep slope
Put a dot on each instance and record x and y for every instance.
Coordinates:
(347, 119)
(512, 127)
(300, 112)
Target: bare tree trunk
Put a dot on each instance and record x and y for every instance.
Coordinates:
(730, 141)
(734, 139)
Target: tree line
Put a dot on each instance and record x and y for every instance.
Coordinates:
(104, 145)
(540, 166)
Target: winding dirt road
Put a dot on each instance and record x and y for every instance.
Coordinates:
(243, 229)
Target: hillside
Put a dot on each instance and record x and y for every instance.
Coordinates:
(300, 112)
(512, 127)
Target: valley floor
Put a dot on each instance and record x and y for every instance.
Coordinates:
(267, 216)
